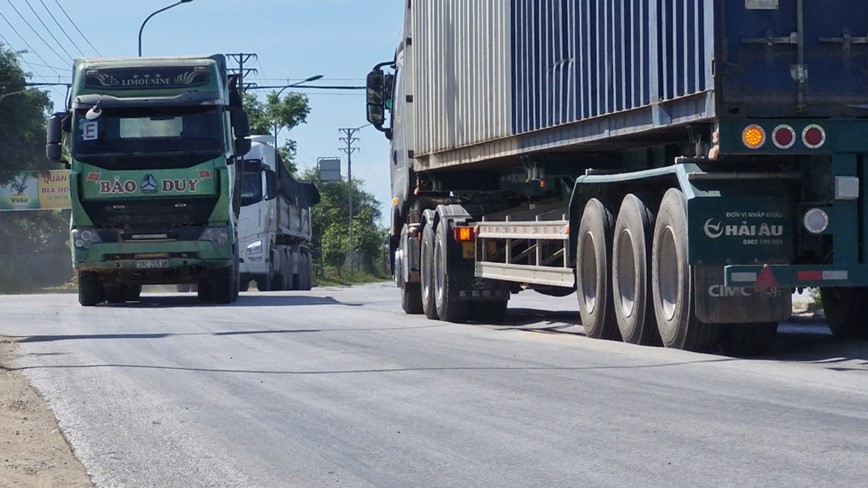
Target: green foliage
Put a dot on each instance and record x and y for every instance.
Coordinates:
(276, 114)
(331, 224)
(22, 120)
(34, 243)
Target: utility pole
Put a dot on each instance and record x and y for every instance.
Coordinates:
(349, 140)
(242, 58)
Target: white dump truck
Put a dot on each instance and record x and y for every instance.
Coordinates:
(274, 226)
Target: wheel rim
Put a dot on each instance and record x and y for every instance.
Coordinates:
(626, 274)
(589, 272)
(425, 270)
(439, 275)
(667, 274)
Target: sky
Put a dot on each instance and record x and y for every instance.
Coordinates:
(292, 39)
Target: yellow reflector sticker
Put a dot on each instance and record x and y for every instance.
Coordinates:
(753, 136)
(468, 250)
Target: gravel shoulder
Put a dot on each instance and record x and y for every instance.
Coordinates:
(33, 451)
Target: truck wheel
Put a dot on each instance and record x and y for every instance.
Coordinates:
(631, 267)
(222, 289)
(846, 309)
(204, 291)
(747, 339)
(449, 307)
(244, 284)
(134, 293)
(306, 268)
(236, 278)
(671, 281)
(429, 305)
(116, 293)
(594, 270)
(90, 291)
(263, 283)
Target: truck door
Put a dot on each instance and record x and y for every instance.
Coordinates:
(784, 58)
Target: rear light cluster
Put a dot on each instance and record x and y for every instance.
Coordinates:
(783, 136)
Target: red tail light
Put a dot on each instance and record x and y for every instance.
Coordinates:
(813, 136)
(784, 136)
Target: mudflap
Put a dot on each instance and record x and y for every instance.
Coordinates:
(717, 304)
(483, 289)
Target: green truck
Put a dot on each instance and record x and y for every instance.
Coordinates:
(151, 144)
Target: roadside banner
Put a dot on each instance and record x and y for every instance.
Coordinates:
(39, 190)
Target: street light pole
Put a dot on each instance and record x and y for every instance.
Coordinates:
(153, 14)
(277, 96)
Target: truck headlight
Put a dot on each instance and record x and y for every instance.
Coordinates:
(83, 238)
(219, 236)
(254, 247)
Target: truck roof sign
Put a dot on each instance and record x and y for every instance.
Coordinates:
(139, 78)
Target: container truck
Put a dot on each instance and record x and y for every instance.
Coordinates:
(274, 227)
(681, 166)
(151, 142)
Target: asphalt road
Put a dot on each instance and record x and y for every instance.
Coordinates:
(337, 387)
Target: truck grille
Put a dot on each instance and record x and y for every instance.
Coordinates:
(151, 214)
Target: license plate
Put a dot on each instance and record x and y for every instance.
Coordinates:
(152, 264)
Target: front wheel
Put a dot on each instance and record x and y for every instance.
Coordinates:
(90, 291)
(672, 281)
(449, 307)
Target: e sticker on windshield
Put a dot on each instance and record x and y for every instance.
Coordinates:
(89, 131)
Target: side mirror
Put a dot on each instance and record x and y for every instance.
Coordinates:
(270, 185)
(241, 127)
(54, 136)
(376, 98)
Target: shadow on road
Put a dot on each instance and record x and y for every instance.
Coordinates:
(244, 300)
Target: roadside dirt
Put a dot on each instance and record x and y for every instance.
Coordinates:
(33, 451)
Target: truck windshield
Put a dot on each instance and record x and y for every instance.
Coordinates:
(251, 188)
(162, 136)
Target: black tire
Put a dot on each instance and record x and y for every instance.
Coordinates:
(222, 288)
(594, 271)
(631, 269)
(489, 311)
(263, 283)
(184, 287)
(449, 307)
(116, 293)
(134, 293)
(672, 281)
(90, 291)
(427, 290)
(204, 291)
(308, 270)
(411, 298)
(846, 312)
(748, 339)
(244, 285)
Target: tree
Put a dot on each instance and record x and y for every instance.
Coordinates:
(22, 120)
(331, 223)
(34, 243)
(276, 114)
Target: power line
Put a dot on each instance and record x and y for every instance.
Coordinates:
(80, 50)
(27, 43)
(32, 28)
(47, 29)
(76, 27)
